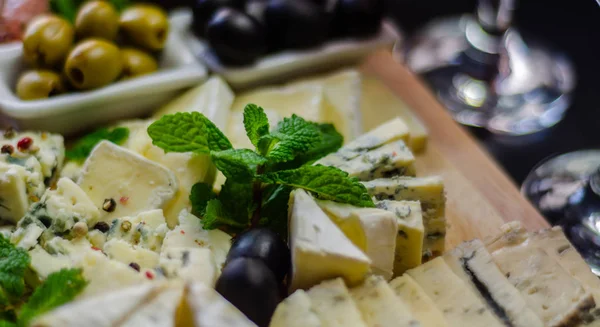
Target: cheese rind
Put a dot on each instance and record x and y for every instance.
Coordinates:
(379, 305)
(460, 306)
(160, 311)
(319, 250)
(334, 305)
(474, 265)
(295, 311)
(134, 183)
(419, 304)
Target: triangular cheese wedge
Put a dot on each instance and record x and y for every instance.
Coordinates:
(161, 311)
(209, 308)
(420, 305)
(295, 311)
(320, 250)
(333, 304)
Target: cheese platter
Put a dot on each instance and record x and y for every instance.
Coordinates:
(345, 199)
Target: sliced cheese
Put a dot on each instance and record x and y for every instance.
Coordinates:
(161, 311)
(417, 301)
(334, 306)
(319, 249)
(295, 311)
(134, 183)
(379, 305)
(474, 265)
(460, 306)
(209, 308)
(189, 264)
(377, 96)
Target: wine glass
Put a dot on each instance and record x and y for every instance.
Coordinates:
(566, 189)
(488, 75)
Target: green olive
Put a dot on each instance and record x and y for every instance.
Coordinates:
(98, 19)
(47, 41)
(39, 84)
(137, 63)
(146, 26)
(93, 63)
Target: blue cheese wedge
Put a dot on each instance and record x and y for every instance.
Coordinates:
(127, 253)
(189, 264)
(160, 311)
(474, 265)
(147, 230)
(334, 305)
(379, 305)
(427, 190)
(460, 306)
(410, 233)
(393, 159)
(295, 311)
(14, 194)
(558, 298)
(107, 310)
(209, 308)
(123, 183)
(319, 249)
(419, 304)
(371, 230)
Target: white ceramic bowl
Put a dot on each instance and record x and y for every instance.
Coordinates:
(282, 66)
(74, 112)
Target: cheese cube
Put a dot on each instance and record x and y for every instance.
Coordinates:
(319, 249)
(410, 233)
(47, 149)
(160, 311)
(460, 306)
(189, 264)
(14, 198)
(209, 308)
(375, 94)
(295, 311)
(379, 305)
(419, 304)
(131, 182)
(334, 306)
(126, 253)
(349, 224)
(27, 233)
(474, 265)
(147, 230)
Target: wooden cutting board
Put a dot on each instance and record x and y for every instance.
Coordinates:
(481, 197)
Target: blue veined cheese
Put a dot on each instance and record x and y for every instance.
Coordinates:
(147, 230)
(47, 149)
(392, 159)
(319, 249)
(43, 263)
(427, 190)
(6, 231)
(419, 304)
(295, 311)
(189, 264)
(106, 310)
(334, 306)
(410, 233)
(123, 183)
(206, 307)
(127, 253)
(20, 186)
(474, 265)
(379, 305)
(460, 306)
(190, 234)
(27, 233)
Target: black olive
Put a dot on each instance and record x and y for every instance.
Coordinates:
(204, 10)
(296, 24)
(359, 18)
(236, 37)
(263, 244)
(251, 287)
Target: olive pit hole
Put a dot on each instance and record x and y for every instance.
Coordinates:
(161, 34)
(76, 75)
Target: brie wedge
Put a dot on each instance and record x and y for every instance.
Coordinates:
(334, 306)
(209, 308)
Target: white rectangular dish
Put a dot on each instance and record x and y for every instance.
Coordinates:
(75, 112)
(282, 66)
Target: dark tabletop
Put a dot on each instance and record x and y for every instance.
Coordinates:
(570, 26)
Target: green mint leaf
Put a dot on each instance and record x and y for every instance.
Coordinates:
(199, 196)
(187, 132)
(66, 8)
(13, 264)
(217, 217)
(327, 183)
(8, 318)
(238, 198)
(274, 211)
(6, 323)
(238, 164)
(292, 137)
(59, 288)
(256, 123)
(82, 149)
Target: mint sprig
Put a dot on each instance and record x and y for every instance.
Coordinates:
(259, 182)
(14, 262)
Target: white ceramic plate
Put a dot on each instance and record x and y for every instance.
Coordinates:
(284, 65)
(71, 113)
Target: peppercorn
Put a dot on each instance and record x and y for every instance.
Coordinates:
(102, 226)
(24, 143)
(7, 149)
(135, 266)
(80, 229)
(126, 226)
(109, 205)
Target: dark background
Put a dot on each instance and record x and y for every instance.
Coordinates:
(573, 27)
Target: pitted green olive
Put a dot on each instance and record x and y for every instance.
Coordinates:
(93, 63)
(97, 19)
(47, 41)
(137, 63)
(145, 25)
(39, 84)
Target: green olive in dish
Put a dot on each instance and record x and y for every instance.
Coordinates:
(39, 84)
(145, 25)
(93, 63)
(137, 63)
(97, 19)
(47, 41)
